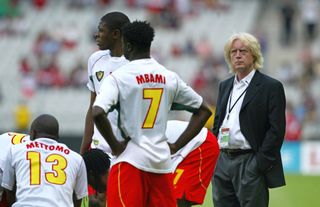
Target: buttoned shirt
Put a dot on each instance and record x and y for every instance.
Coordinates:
(231, 120)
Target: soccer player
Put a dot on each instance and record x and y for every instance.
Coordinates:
(193, 165)
(100, 65)
(6, 140)
(44, 172)
(97, 164)
(144, 92)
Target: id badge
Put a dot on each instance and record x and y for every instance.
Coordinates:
(224, 137)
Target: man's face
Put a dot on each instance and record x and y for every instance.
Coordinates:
(104, 37)
(241, 57)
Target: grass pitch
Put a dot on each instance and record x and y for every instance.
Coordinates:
(300, 191)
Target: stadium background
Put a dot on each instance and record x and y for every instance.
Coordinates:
(45, 45)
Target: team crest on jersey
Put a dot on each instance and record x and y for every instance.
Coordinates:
(99, 75)
(95, 141)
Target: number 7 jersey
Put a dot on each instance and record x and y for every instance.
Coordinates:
(46, 173)
(144, 92)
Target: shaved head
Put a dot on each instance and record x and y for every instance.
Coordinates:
(44, 126)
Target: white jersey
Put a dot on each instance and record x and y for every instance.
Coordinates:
(173, 132)
(46, 173)
(100, 65)
(145, 91)
(6, 141)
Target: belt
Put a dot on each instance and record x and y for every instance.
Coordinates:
(236, 152)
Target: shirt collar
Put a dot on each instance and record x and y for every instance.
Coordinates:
(246, 80)
(142, 61)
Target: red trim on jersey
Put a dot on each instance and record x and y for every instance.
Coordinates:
(97, 60)
(16, 138)
(128, 186)
(151, 101)
(54, 172)
(30, 166)
(196, 171)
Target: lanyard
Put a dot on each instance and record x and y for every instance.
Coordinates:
(231, 107)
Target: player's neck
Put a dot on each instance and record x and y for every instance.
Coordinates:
(141, 55)
(116, 52)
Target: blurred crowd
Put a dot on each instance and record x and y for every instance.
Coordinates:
(40, 69)
(301, 74)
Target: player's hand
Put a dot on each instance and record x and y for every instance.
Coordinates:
(173, 148)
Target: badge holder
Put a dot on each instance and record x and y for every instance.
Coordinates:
(224, 137)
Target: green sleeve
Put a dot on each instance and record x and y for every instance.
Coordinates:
(85, 202)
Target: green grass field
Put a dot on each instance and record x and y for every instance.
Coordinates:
(300, 191)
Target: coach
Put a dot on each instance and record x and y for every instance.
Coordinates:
(250, 126)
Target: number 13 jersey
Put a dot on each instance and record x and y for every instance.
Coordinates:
(46, 172)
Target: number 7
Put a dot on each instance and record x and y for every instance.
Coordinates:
(154, 94)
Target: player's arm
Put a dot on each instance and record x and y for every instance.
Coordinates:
(105, 101)
(10, 196)
(103, 124)
(88, 128)
(77, 203)
(196, 123)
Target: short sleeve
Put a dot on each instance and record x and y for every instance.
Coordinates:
(108, 95)
(81, 187)
(90, 83)
(8, 180)
(186, 98)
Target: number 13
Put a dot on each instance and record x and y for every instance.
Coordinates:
(57, 176)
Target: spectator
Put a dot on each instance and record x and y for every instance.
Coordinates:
(78, 76)
(50, 76)
(22, 117)
(175, 50)
(293, 125)
(203, 48)
(188, 48)
(310, 17)
(287, 13)
(25, 68)
(28, 85)
(39, 4)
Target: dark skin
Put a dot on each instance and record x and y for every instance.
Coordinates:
(100, 117)
(196, 123)
(106, 40)
(43, 126)
(184, 203)
(98, 199)
(131, 53)
(103, 124)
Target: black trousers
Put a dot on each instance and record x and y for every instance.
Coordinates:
(238, 183)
